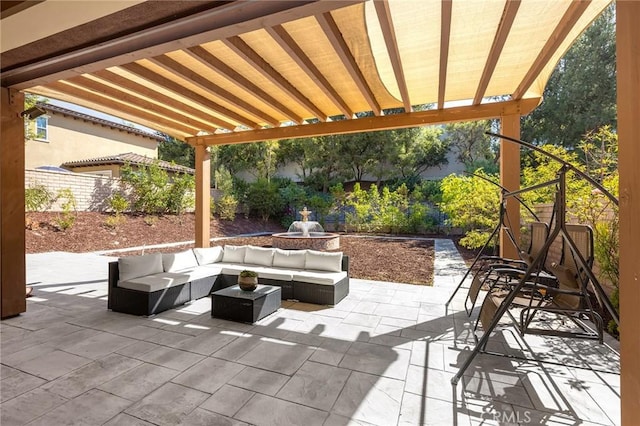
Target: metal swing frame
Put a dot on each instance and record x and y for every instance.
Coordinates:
(560, 228)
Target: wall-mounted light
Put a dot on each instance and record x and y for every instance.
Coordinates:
(33, 112)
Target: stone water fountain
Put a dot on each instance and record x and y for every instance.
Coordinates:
(305, 234)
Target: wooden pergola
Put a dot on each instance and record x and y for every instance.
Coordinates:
(223, 72)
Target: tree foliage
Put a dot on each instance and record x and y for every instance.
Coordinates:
(471, 145)
(581, 93)
(174, 151)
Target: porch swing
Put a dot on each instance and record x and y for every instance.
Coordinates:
(563, 290)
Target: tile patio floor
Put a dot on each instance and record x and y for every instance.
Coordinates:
(383, 356)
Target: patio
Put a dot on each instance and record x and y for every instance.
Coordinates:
(385, 355)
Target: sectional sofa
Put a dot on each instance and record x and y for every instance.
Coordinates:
(152, 283)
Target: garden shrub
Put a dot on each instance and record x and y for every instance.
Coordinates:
(37, 198)
(472, 204)
(264, 199)
(67, 218)
(154, 193)
(226, 207)
(118, 203)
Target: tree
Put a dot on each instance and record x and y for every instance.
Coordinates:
(471, 145)
(175, 151)
(417, 149)
(581, 93)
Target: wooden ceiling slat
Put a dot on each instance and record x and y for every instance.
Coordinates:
(176, 88)
(445, 36)
(224, 21)
(148, 93)
(252, 57)
(569, 19)
(120, 106)
(373, 123)
(286, 42)
(207, 85)
(388, 30)
(122, 96)
(331, 30)
(508, 16)
(220, 67)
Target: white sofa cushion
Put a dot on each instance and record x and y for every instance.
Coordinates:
(234, 254)
(208, 255)
(322, 261)
(139, 266)
(177, 261)
(258, 256)
(289, 258)
(155, 282)
(324, 278)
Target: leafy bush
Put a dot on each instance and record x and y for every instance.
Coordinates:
(227, 206)
(180, 195)
(154, 193)
(67, 218)
(114, 221)
(118, 203)
(263, 199)
(472, 204)
(37, 198)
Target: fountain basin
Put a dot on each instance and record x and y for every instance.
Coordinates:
(298, 241)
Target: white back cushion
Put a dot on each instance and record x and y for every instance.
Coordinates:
(139, 266)
(289, 258)
(234, 254)
(208, 255)
(259, 256)
(323, 261)
(178, 261)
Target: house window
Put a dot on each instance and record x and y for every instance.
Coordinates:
(42, 131)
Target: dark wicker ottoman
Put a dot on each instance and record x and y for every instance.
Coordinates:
(233, 304)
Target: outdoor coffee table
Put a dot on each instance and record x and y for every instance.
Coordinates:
(233, 304)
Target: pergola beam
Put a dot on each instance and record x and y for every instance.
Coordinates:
(142, 90)
(258, 63)
(224, 21)
(389, 32)
(286, 42)
(193, 77)
(118, 95)
(366, 124)
(569, 19)
(201, 54)
(179, 90)
(92, 97)
(331, 30)
(445, 36)
(508, 16)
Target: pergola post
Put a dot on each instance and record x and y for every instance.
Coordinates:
(12, 234)
(628, 79)
(203, 195)
(510, 179)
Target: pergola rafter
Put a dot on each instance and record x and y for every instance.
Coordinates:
(220, 67)
(332, 32)
(286, 42)
(211, 88)
(243, 50)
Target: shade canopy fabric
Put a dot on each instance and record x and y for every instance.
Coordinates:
(227, 70)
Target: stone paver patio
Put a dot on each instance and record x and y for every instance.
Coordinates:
(383, 356)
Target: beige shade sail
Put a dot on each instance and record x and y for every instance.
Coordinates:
(273, 65)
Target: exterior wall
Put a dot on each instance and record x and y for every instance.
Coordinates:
(292, 171)
(72, 139)
(90, 191)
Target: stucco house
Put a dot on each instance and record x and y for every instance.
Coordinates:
(88, 144)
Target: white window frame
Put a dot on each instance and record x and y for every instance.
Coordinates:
(45, 129)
